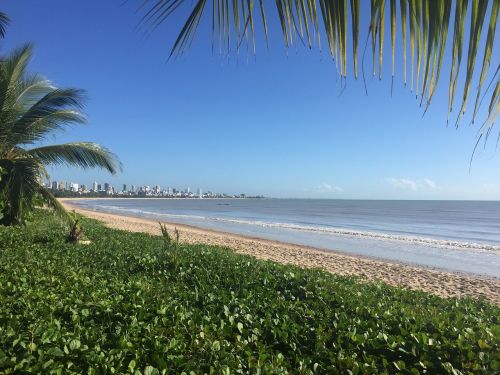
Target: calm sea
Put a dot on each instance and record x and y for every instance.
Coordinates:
(453, 235)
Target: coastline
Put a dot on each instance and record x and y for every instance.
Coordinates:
(438, 282)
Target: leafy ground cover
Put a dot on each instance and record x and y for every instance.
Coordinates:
(122, 304)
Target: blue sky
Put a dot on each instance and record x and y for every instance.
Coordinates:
(278, 124)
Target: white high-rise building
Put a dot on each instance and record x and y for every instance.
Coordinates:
(94, 186)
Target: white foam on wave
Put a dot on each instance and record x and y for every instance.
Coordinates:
(149, 213)
(410, 240)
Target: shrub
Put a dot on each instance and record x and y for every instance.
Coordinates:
(118, 305)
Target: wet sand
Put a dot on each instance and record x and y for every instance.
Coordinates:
(438, 282)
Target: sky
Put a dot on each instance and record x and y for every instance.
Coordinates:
(279, 124)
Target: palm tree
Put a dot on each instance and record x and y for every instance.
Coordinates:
(423, 23)
(31, 109)
(4, 21)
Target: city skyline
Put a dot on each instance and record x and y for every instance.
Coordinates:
(135, 190)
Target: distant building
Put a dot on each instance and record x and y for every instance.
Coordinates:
(99, 187)
(95, 186)
(124, 188)
(54, 185)
(107, 187)
(73, 187)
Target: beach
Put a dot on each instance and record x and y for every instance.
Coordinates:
(438, 282)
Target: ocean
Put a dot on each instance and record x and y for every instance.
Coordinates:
(461, 236)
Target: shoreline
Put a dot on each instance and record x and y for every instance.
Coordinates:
(436, 281)
(146, 197)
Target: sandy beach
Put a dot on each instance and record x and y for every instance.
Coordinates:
(438, 282)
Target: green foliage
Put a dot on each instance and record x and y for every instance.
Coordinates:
(119, 305)
(1, 202)
(76, 229)
(4, 22)
(169, 243)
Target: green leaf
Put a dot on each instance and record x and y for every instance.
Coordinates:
(483, 344)
(74, 344)
(131, 366)
(216, 346)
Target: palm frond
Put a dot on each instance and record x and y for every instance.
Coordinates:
(477, 19)
(30, 107)
(20, 186)
(12, 71)
(53, 111)
(54, 204)
(458, 36)
(404, 14)
(428, 20)
(80, 154)
(31, 89)
(4, 22)
(487, 51)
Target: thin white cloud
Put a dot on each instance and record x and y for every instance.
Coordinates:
(429, 183)
(403, 183)
(328, 188)
(490, 189)
(406, 183)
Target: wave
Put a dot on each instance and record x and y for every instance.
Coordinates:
(324, 230)
(146, 213)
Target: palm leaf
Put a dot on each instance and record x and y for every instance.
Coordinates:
(404, 11)
(51, 112)
(30, 107)
(355, 34)
(20, 186)
(12, 71)
(393, 36)
(458, 35)
(54, 204)
(477, 18)
(487, 51)
(428, 21)
(80, 154)
(4, 22)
